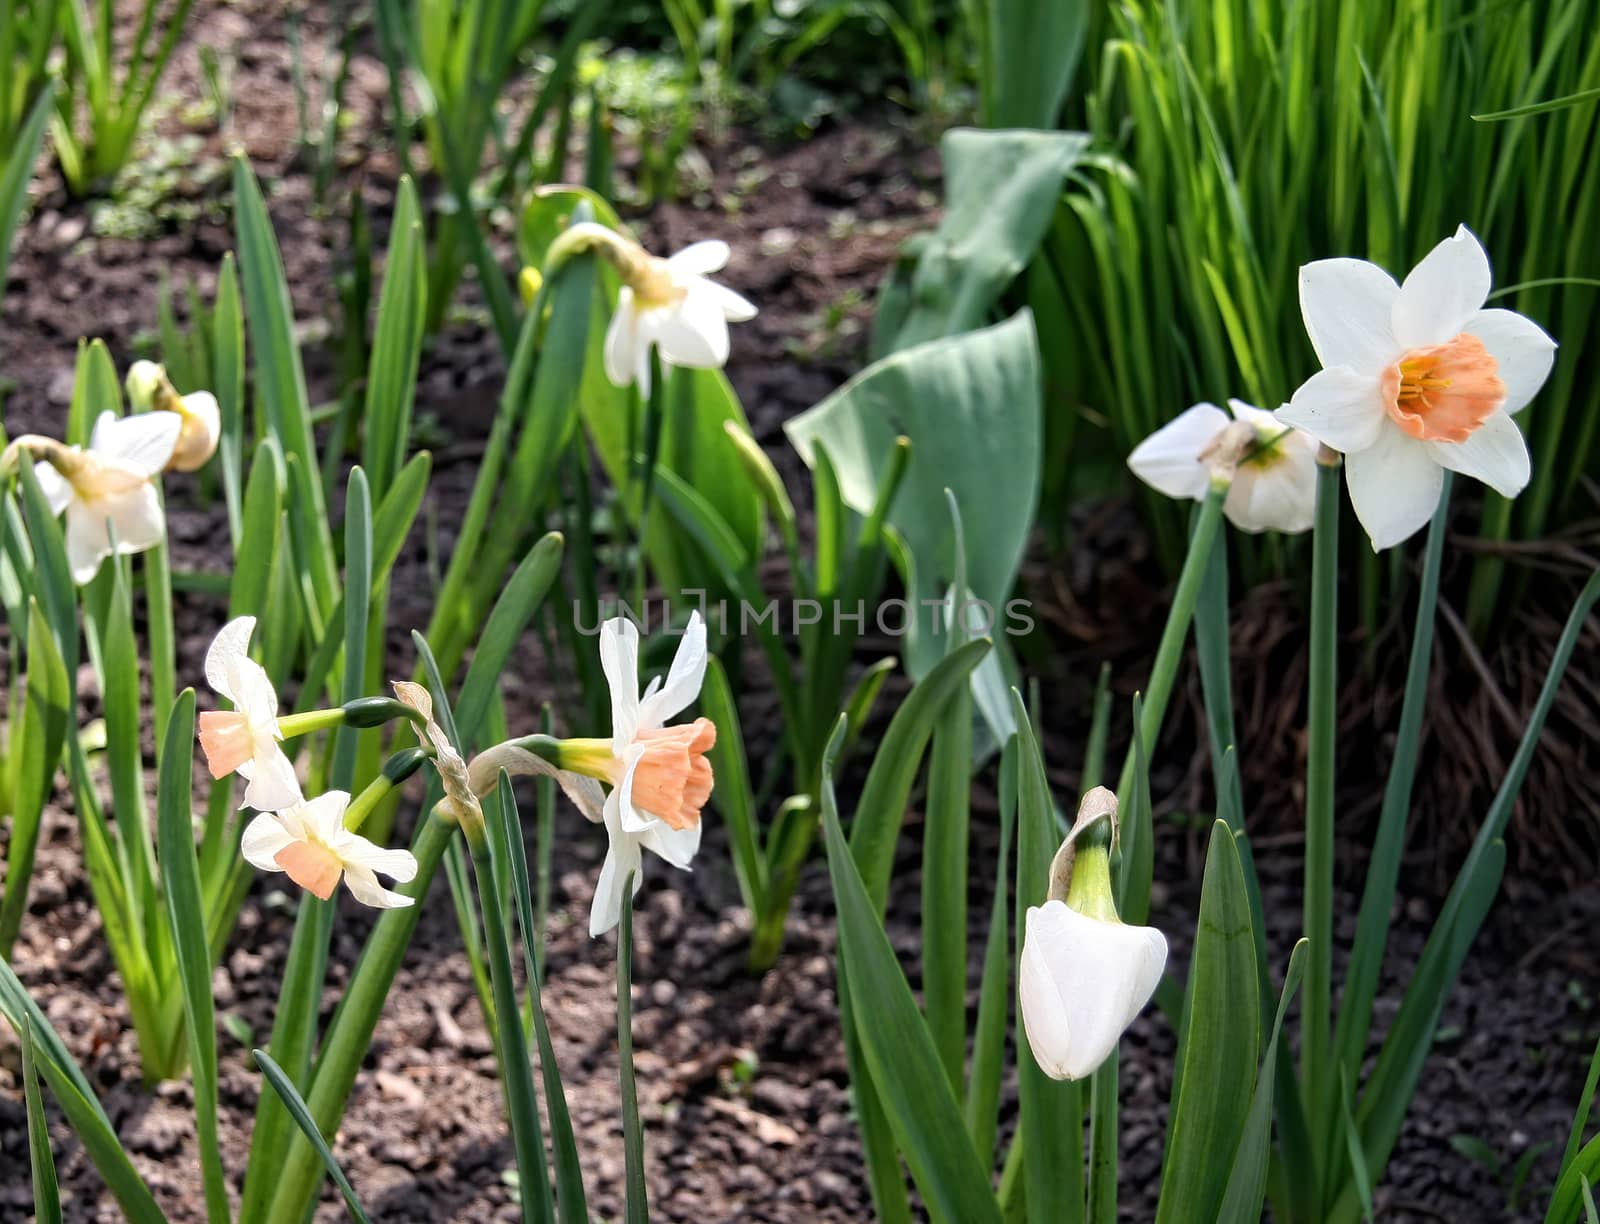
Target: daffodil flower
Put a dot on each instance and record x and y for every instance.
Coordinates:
(1084, 975)
(673, 305)
(309, 841)
(245, 740)
(1417, 377)
(1273, 467)
(659, 775)
(105, 488)
(148, 387)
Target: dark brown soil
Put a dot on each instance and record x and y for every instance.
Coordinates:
(743, 1082)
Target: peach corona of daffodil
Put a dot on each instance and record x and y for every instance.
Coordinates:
(659, 775)
(309, 841)
(105, 488)
(245, 740)
(1274, 467)
(1084, 974)
(149, 387)
(1417, 377)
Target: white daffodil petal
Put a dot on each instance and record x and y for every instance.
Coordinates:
(263, 838)
(622, 857)
(1260, 418)
(1522, 351)
(1081, 982)
(231, 644)
(324, 816)
(1346, 305)
(137, 519)
(1282, 497)
(1338, 406)
(57, 491)
(271, 784)
(695, 334)
(676, 846)
(631, 819)
(364, 887)
(1169, 459)
(619, 659)
(700, 258)
(145, 440)
(735, 307)
(1495, 453)
(1394, 486)
(684, 678)
(622, 340)
(88, 541)
(352, 848)
(1442, 292)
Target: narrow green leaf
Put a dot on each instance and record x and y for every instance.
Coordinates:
(18, 170)
(1219, 1045)
(78, 1103)
(1247, 1179)
(180, 880)
(876, 827)
(295, 1104)
(994, 997)
(1051, 1125)
(899, 1052)
(570, 1200)
(46, 1192)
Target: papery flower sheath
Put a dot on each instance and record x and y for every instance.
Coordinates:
(1417, 377)
(309, 841)
(1274, 477)
(106, 488)
(673, 305)
(246, 739)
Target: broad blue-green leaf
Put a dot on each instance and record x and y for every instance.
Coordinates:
(970, 405)
(1001, 191)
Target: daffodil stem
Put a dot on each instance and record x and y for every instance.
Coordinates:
(1170, 652)
(1322, 694)
(396, 770)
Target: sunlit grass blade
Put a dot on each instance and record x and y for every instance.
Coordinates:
(295, 1104)
(733, 797)
(18, 171)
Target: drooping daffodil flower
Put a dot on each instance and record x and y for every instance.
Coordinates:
(246, 739)
(673, 305)
(1084, 975)
(309, 841)
(1271, 468)
(149, 388)
(106, 488)
(659, 775)
(1417, 377)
